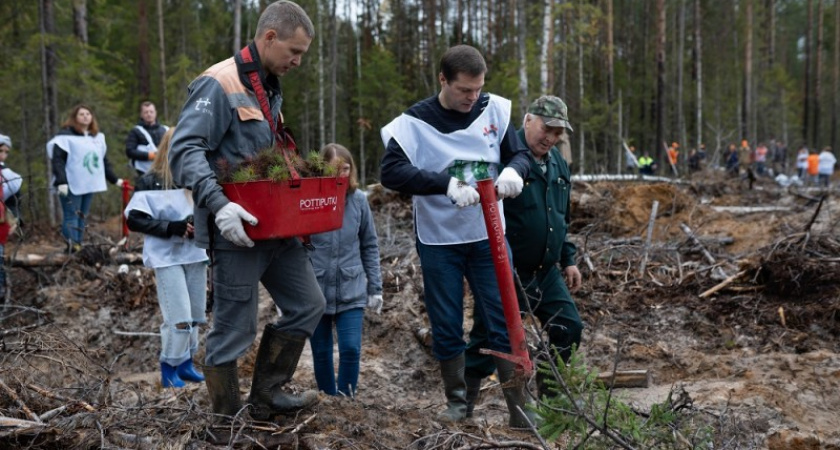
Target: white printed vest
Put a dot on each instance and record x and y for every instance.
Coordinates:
(470, 154)
(85, 167)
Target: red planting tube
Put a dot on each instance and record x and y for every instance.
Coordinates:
(504, 277)
(126, 189)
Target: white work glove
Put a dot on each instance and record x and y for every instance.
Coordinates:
(461, 193)
(120, 182)
(63, 190)
(375, 303)
(509, 184)
(229, 220)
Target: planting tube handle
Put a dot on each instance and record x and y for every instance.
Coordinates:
(504, 278)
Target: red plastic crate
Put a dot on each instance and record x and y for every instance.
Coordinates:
(290, 208)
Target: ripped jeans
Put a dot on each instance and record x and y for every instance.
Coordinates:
(182, 296)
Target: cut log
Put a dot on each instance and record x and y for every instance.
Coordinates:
(60, 259)
(626, 378)
(750, 209)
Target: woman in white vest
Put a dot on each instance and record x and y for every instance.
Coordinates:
(80, 169)
(163, 213)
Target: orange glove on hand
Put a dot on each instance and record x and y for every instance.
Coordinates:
(151, 156)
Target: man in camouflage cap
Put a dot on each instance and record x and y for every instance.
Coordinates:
(537, 222)
(554, 113)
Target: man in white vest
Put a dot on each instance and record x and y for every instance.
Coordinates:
(436, 151)
(142, 141)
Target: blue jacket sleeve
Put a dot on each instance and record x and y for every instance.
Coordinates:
(369, 249)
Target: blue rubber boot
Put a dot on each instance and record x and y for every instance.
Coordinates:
(187, 372)
(169, 376)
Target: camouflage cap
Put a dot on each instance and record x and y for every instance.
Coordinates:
(552, 110)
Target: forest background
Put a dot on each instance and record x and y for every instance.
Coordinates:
(641, 71)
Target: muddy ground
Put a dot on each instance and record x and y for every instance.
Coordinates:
(758, 358)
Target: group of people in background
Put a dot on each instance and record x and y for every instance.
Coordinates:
(745, 161)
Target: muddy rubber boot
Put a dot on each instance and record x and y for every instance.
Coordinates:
(277, 360)
(223, 386)
(455, 388)
(516, 397)
(473, 393)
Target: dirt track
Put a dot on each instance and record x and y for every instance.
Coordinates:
(761, 366)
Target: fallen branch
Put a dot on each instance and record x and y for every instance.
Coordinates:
(653, 210)
(60, 259)
(20, 402)
(55, 396)
(723, 284)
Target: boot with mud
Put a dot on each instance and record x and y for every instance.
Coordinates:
(516, 396)
(277, 360)
(223, 386)
(455, 388)
(473, 393)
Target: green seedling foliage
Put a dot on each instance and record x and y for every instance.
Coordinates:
(578, 395)
(269, 164)
(244, 174)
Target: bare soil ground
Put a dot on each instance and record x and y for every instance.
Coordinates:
(759, 358)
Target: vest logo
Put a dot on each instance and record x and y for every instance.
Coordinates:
(91, 162)
(492, 129)
(316, 204)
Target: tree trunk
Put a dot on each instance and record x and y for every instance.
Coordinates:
(80, 28)
(660, 80)
(564, 54)
(333, 70)
(580, 160)
(817, 72)
(611, 90)
(807, 103)
(237, 26)
(746, 101)
(680, 73)
(836, 77)
(321, 112)
(523, 57)
(698, 69)
(459, 23)
(49, 101)
(162, 52)
(143, 76)
(547, 60)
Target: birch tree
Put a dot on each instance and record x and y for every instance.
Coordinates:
(523, 57)
(660, 79)
(817, 73)
(746, 99)
(547, 55)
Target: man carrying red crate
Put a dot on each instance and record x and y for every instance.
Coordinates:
(436, 151)
(232, 112)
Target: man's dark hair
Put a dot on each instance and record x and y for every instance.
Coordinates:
(146, 104)
(462, 59)
(284, 17)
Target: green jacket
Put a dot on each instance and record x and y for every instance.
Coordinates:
(538, 219)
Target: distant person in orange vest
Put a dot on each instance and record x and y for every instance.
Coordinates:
(813, 166)
(673, 156)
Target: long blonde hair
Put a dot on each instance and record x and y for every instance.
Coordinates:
(160, 166)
